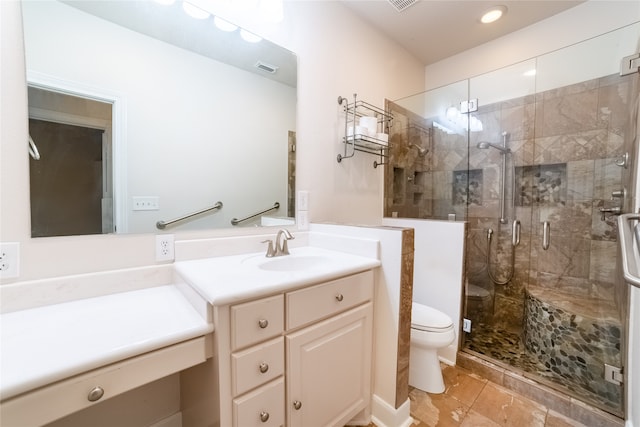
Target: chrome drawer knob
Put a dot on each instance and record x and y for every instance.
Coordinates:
(339, 297)
(297, 404)
(263, 323)
(264, 416)
(95, 394)
(264, 367)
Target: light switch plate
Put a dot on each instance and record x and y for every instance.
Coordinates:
(146, 203)
(303, 200)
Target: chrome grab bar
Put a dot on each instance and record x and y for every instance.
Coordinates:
(236, 221)
(161, 225)
(629, 250)
(33, 149)
(546, 235)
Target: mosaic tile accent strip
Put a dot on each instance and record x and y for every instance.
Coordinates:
(544, 185)
(467, 187)
(565, 349)
(575, 348)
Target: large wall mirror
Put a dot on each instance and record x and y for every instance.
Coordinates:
(139, 113)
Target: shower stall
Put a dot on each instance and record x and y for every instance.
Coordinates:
(533, 156)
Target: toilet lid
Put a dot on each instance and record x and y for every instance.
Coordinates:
(428, 318)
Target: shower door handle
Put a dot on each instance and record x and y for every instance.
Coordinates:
(546, 231)
(515, 232)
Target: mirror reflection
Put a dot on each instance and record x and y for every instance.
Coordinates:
(154, 116)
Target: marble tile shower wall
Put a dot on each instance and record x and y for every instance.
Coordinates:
(564, 145)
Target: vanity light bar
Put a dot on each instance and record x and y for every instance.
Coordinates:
(266, 67)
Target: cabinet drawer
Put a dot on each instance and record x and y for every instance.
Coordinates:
(256, 321)
(257, 365)
(310, 304)
(261, 408)
(49, 403)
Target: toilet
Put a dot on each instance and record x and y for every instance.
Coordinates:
(431, 329)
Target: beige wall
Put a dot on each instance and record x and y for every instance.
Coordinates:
(333, 49)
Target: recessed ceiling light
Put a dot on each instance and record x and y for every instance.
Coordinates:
(493, 14)
(195, 11)
(250, 37)
(224, 25)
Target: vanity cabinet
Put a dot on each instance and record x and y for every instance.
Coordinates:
(299, 358)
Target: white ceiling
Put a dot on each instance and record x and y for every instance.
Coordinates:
(435, 29)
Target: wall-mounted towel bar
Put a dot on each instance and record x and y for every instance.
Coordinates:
(161, 225)
(236, 221)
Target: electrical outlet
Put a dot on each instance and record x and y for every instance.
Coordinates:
(9, 260)
(466, 325)
(164, 247)
(302, 219)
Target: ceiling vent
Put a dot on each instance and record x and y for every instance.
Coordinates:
(266, 67)
(401, 5)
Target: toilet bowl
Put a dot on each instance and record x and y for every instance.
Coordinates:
(430, 330)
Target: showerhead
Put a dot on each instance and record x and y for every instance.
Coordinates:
(484, 145)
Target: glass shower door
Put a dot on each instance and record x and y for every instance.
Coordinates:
(574, 321)
(549, 140)
(499, 235)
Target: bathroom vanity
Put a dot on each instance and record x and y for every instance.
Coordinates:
(293, 344)
(256, 341)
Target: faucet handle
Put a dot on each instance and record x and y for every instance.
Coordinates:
(270, 250)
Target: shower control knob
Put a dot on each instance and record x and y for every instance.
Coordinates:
(614, 211)
(618, 194)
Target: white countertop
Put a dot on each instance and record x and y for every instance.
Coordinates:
(229, 279)
(50, 343)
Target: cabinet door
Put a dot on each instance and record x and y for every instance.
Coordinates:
(329, 370)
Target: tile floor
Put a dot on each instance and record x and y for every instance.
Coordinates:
(472, 401)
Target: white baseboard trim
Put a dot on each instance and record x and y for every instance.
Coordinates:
(174, 420)
(385, 415)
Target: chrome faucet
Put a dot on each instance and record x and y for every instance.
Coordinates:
(278, 247)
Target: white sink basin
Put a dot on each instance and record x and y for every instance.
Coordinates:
(229, 279)
(287, 262)
(292, 262)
